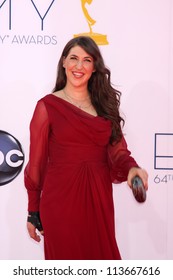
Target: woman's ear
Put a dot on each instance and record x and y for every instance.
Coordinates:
(63, 61)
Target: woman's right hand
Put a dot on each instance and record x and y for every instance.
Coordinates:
(34, 225)
(33, 232)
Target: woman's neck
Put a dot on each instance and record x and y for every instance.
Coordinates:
(76, 93)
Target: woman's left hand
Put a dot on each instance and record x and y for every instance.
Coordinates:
(136, 171)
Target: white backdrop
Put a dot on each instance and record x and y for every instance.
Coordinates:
(139, 54)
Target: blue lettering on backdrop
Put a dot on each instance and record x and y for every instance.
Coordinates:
(2, 39)
(42, 18)
(35, 7)
(9, 11)
(29, 39)
(163, 160)
(46, 39)
(39, 39)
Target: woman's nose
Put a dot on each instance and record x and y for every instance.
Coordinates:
(79, 64)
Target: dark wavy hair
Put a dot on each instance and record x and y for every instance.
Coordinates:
(104, 97)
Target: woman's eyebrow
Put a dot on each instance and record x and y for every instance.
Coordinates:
(84, 56)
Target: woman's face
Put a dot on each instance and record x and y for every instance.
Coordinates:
(79, 67)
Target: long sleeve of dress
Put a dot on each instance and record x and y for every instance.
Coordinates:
(120, 161)
(38, 156)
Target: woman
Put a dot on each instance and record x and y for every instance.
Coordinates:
(77, 150)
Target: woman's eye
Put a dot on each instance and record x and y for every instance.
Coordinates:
(73, 58)
(88, 60)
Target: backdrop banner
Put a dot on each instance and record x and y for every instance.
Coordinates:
(136, 40)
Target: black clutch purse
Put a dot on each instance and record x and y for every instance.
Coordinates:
(138, 189)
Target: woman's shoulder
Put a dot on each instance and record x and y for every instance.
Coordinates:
(51, 95)
(45, 97)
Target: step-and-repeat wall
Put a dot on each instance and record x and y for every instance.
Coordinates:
(135, 38)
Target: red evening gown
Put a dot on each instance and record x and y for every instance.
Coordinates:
(69, 180)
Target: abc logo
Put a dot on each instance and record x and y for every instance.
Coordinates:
(11, 157)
